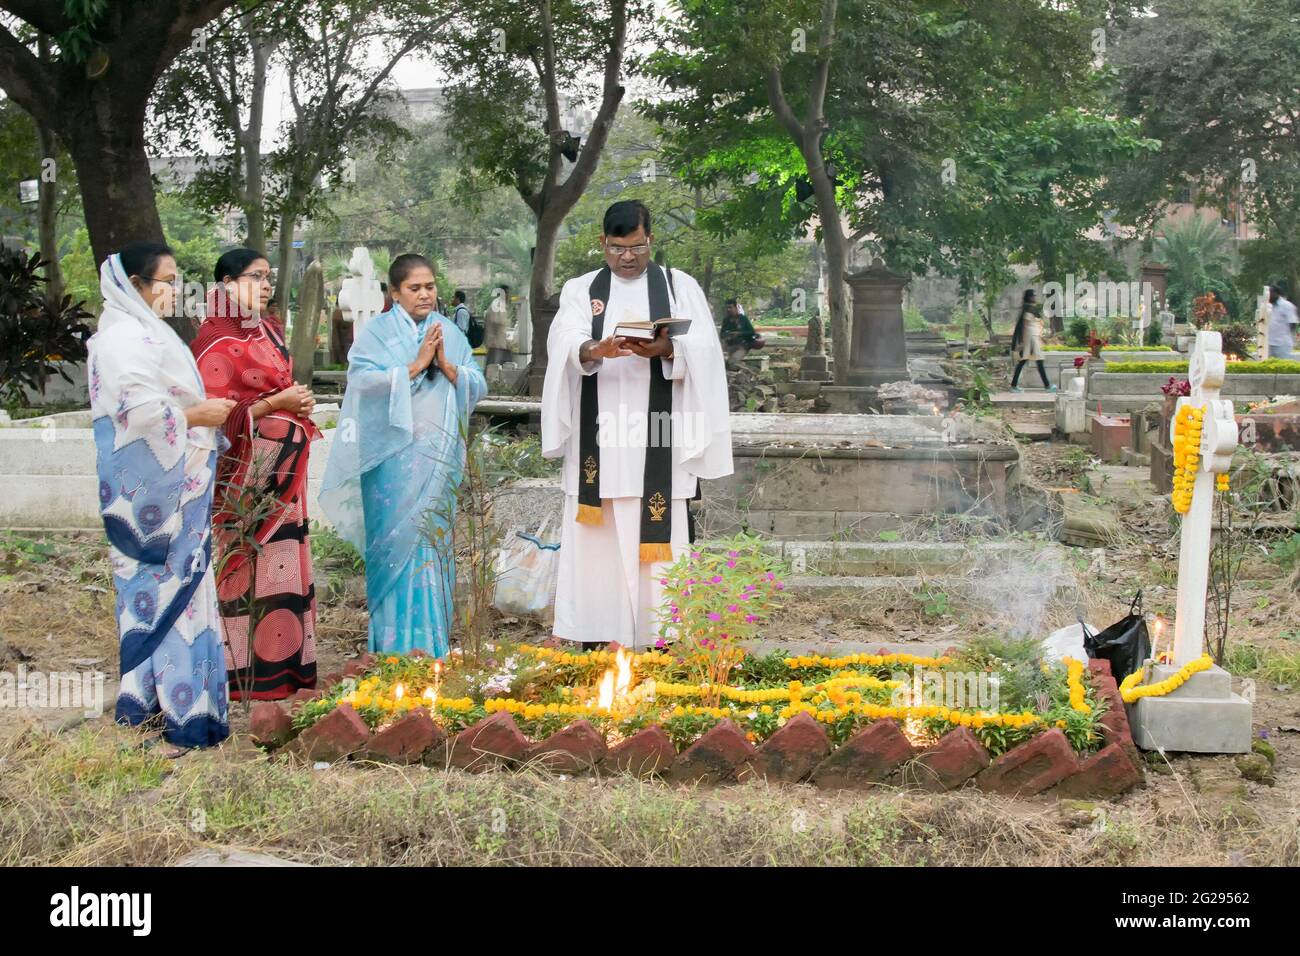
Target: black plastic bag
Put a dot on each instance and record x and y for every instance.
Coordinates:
(1125, 643)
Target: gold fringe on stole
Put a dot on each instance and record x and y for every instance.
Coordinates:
(590, 514)
(656, 552)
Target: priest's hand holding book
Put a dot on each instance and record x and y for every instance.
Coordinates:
(610, 347)
(660, 346)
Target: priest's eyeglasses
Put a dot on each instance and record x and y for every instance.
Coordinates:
(614, 250)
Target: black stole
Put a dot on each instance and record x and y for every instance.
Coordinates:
(657, 487)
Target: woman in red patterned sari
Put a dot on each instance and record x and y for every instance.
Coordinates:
(260, 511)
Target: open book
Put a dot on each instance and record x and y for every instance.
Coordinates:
(648, 330)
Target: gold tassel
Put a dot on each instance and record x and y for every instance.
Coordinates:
(656, 552)
(590, 514)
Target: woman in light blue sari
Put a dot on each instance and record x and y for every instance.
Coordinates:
(398, 456)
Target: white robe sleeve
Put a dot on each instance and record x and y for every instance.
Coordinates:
(698, 364)
(561, 397)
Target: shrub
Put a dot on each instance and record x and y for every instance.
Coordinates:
(1077, 332)
(1237, 340)
(36, 335)
(1267, 367)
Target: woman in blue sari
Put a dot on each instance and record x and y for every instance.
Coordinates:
(156, 445)
(398, 456)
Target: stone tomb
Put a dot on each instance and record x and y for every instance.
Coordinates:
(852, 476)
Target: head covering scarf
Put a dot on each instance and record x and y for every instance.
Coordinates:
(138, 360)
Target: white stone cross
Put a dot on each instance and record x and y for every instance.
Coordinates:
(360, 297)
(1218, 440)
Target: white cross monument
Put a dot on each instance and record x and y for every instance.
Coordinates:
(1203, 715)
(360, 297)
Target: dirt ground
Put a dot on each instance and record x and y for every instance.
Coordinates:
(63, 776)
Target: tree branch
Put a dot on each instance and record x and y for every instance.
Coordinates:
(29, 83)
(45, 15)
(611, 97)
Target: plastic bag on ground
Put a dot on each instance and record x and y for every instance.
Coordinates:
(525, 574)
(1126, 643)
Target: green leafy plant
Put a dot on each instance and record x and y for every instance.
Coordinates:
(37, 336)
(935, 603)
(717, 597)
(1265, 367)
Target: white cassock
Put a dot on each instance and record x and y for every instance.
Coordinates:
(604, 592)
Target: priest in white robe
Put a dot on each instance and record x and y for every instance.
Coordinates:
(638, 424)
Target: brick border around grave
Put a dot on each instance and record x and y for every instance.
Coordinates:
(799, 751)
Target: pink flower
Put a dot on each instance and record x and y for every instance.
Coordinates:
(744, 597)
(715, 616)
(733, 554)
(663, 581)
(780, 585)
(716, 579)
(733, 608)
(771, 576)
(750, 619)
(660, 644)
(690, 581)
(695, 554)
(731, 564)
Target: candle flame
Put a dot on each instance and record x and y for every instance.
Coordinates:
(605, 692)
(398, 691)
(431, 696)
(623, 661)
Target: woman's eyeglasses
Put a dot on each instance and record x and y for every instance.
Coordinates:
(175, 282)
(257, 276)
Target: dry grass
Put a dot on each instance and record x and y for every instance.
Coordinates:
(93, 797)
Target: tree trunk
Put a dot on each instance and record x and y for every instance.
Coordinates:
(116, 187)
(254, 208)
(311, 298)
(48, 192)
(117, 190)
(47, 209)
(542, 278)
(836, 246)
(254, 201)
(282, 275)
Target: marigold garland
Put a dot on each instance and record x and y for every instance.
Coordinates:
(878, 711)
(556, 656)
(793, 691)
(1187, 454)
(1074, 680)
(1130, 691)
(870, 660)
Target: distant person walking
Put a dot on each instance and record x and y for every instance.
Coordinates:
(1282, 322)
(737, 334)
(497, 329)
(1027, 341)
(460, 311)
